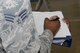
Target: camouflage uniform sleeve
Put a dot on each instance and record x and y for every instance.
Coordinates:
(2, 50)
(46, 40)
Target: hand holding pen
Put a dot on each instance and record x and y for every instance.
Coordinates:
(53, 24)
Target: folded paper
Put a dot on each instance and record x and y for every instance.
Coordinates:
(63, 36)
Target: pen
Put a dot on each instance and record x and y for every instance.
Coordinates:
(56, 19)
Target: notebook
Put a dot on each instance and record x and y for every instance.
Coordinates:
(63, 36)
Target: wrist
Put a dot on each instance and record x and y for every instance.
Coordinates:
(49, 31)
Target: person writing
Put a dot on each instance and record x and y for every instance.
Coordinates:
(18, 33)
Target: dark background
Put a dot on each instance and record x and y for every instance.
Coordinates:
(71, 10)
(33, 0)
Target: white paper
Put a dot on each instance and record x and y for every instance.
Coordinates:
(39, 18)
(62, 35)
(39, 22)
